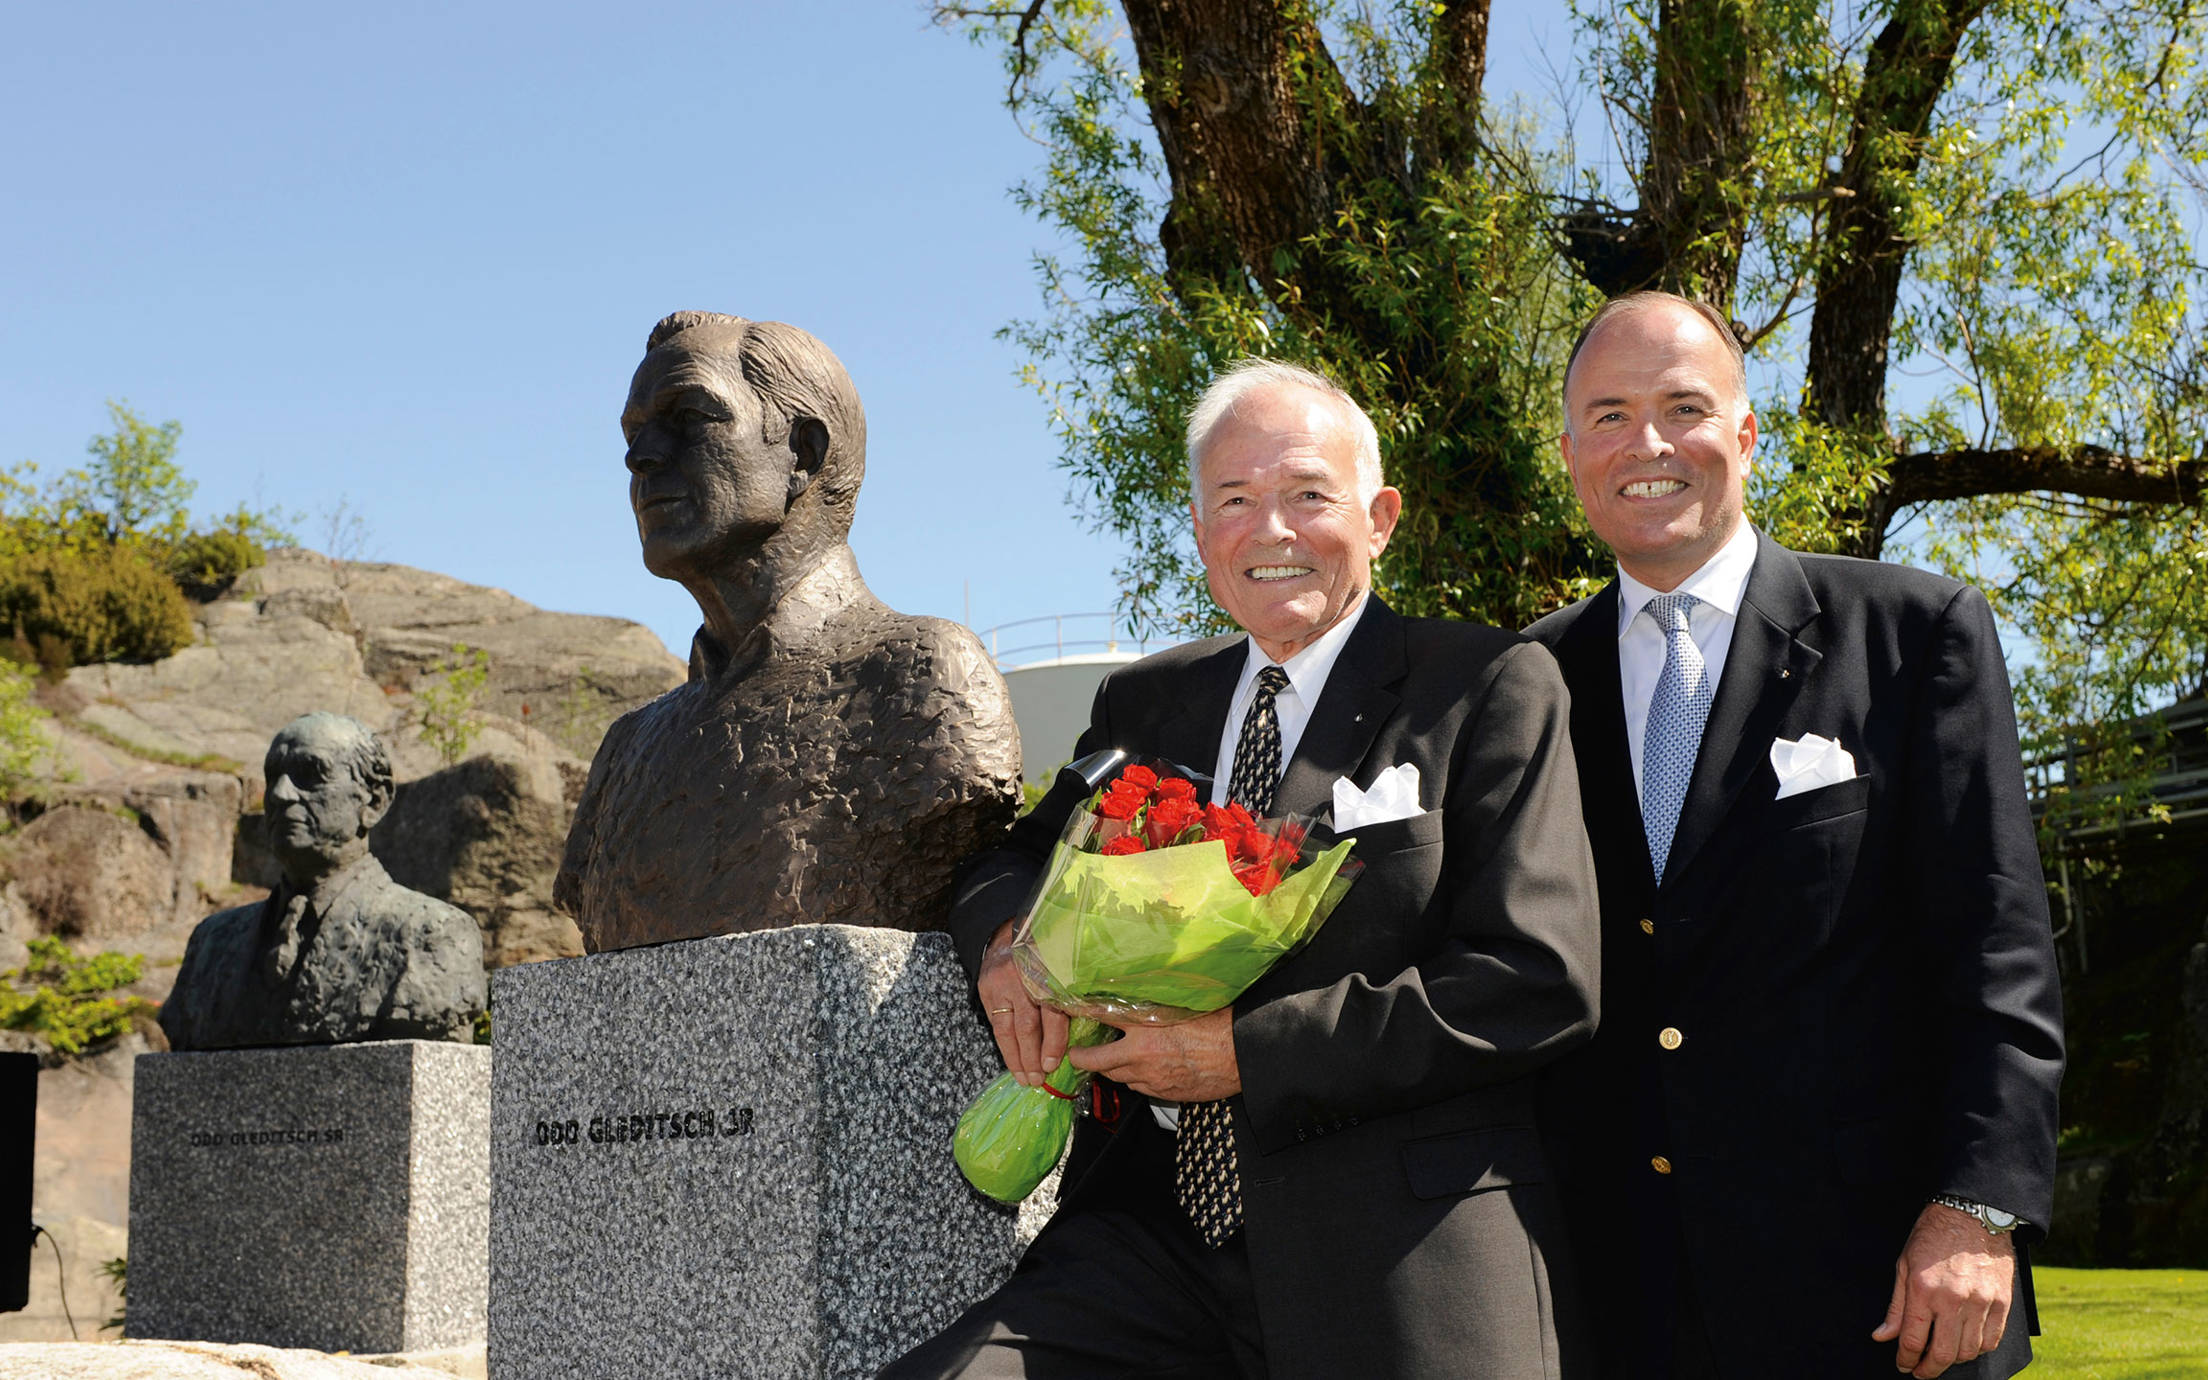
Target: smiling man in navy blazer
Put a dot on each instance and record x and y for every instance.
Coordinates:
(1816, 1132)
(1375, 1092)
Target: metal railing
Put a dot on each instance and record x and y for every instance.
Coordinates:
(1088, 632)
(2177, 782)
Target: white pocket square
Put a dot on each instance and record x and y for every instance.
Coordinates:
(1393, 795)
(1809, 764)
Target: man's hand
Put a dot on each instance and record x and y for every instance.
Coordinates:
(1031, 1038)
(1952, 1288)
(1189, 1062)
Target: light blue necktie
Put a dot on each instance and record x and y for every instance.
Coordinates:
(1676, 713)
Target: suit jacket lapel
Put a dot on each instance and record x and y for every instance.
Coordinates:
(1770, 656)
(1189, 734)
(1357, 699)
(1588, 656)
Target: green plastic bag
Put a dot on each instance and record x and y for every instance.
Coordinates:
(1012, 1136)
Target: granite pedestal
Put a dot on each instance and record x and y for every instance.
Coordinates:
(731, 1157)
(331, 1196)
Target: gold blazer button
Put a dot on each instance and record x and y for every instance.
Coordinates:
(1670, 1038)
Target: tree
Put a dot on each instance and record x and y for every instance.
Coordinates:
(133, 489)
(2002, 194)
(1281, 205)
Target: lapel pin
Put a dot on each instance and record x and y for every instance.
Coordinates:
(1358, 720)
(1786, 673)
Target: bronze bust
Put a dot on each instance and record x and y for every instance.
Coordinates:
(830, 760)
(339, 952)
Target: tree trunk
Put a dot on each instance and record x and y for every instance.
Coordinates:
(1247, 168)
(1686, 235)
(1859, 280)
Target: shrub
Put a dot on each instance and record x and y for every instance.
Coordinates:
(205, 563)
(22, 739)
(76, 608)
(66, 1001)
(446, 708)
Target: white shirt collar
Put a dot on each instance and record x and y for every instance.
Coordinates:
(1722, 582)
(1307, 670)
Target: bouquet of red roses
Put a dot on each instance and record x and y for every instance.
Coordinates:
(1154, 907)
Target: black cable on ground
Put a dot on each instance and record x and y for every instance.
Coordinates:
(60, 1277)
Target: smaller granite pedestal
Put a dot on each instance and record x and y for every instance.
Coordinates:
(331, 1196)
(732, 1157)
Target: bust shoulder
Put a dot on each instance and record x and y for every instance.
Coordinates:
(222, 940)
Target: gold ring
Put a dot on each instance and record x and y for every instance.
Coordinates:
(1000, 1010)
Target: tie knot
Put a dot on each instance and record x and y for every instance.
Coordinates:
(1271, 681)
(1670, 611)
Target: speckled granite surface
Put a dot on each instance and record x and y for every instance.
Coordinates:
(731, 1156)
(333, 1197)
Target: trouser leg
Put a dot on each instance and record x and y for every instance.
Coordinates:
(1121, 1287)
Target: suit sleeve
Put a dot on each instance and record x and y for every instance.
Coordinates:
(1511, 986)
(994, 886)
(1981, 893)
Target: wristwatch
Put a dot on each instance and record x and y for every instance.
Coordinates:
(1994, 1220)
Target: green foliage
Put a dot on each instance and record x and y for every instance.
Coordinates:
(2051, 300)
(133, 489)
(63, 998)
(1450, 329)
(92, 565)
(23, 740)
(116, 1271)
(205, 562)
(74, 607)
(2038, 207)
(580, 719)
(446, 707)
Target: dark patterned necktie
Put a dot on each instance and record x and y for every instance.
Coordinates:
(1204, 1174)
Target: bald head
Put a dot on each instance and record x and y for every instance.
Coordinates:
(1664, 303)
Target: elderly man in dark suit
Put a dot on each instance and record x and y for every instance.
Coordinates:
(1384, 1207)
(1817, 1131)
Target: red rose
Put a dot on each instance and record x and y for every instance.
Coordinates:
(1220, 820)
(1123, 845)
(1118, 804)
(1137, 775)
(1176, 788)
(1169, 818)
(1257, 878)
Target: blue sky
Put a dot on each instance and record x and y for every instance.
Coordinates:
(404, 256)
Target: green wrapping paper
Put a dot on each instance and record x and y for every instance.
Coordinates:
(1012, 1136)
(1165, 935)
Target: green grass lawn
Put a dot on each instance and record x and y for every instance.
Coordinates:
(2121, 1325)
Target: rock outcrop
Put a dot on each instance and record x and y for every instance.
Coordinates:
(152, 820)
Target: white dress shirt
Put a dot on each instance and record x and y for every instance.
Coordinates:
(1307, 672)
(1720, 584)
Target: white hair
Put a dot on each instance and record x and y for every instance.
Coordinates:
(1247, 376)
